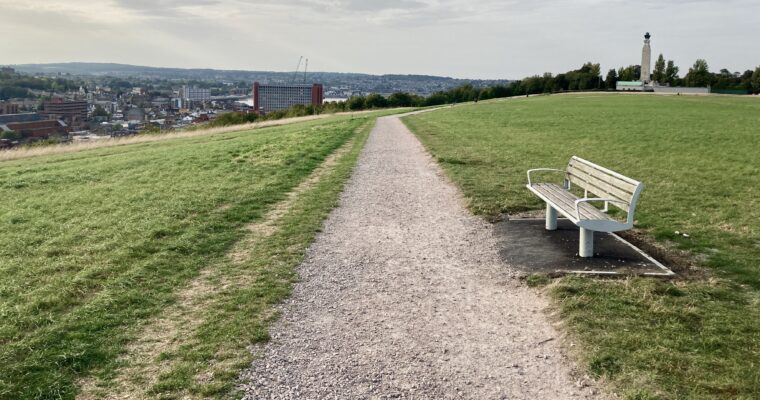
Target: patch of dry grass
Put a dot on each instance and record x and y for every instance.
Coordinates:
(26, 152)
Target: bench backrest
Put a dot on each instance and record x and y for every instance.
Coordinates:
(605, 183)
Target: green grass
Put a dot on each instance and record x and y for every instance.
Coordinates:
(697, 156)
(96, 243)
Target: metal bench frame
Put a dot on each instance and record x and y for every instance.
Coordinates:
(609, 187)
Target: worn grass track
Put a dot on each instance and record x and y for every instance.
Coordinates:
(180, 354)
(697, 338)
(99, 243)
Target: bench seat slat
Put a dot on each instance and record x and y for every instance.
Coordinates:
(565, 202)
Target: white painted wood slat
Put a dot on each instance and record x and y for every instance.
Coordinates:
(565, 202)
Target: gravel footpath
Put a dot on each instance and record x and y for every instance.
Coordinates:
(403, 296)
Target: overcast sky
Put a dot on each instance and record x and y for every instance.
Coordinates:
(459, 38)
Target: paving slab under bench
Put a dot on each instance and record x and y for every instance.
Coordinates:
(529, 247)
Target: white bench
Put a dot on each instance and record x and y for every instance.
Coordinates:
(609, 187)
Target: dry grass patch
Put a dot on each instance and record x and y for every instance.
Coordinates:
(15, 154)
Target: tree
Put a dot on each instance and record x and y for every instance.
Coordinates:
(595, 79)
(629, 73)
(10, 135)
(671, 73)
(375, 100)
(755, 80)
(400, 99)
(436, 99)
(99, 111)
(658, 75)
(698, 75)
(612, 78)
(550, 85)
(356, 103)
(533, 85)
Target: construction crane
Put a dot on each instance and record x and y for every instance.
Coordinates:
(305, 69)
(295, 74)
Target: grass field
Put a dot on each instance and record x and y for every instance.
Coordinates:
(146, 270)
(698, 157)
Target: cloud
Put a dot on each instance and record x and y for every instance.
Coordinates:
(168, 8)
(463, 38)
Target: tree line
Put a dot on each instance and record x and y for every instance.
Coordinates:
(587, 77)
(665, 72)
(15, 85)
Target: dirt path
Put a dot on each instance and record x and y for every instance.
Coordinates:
(403, 295)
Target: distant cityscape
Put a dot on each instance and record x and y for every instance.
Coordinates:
(83, 101)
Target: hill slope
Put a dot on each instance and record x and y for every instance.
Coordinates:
(147, 269)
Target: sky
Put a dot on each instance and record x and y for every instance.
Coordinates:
(486, 39)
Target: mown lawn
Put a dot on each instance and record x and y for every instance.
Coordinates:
(96, 243)
(698, 157)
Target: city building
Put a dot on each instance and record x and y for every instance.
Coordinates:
(73, 113)
(8, 108)
(273, 97)
(32, 125)
(23, 117)
(135, 114)
(195, 94)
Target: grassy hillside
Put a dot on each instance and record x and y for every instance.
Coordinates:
(697, 338)
(147, 269)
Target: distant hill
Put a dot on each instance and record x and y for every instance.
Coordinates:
(420, 84)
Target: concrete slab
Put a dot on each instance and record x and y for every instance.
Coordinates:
(529, 247)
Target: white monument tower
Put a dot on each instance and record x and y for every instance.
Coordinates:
(646, 61)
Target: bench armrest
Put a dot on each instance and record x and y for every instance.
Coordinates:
(589, 199)
(542, 169)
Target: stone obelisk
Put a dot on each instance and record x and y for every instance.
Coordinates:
(646, 61)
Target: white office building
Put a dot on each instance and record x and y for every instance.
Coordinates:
(195, 93)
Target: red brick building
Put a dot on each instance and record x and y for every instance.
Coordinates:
(73, 113)
(274, 97)
(36, 129)
(32, 126)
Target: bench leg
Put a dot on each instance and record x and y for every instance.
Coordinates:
(551, 218)
(586, 246)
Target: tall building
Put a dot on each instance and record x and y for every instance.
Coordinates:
(195, 93)
(8, 108)
(646, 61)
(74, 113)
(267, 98)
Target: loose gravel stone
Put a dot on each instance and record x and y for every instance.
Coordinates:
(403, 295)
